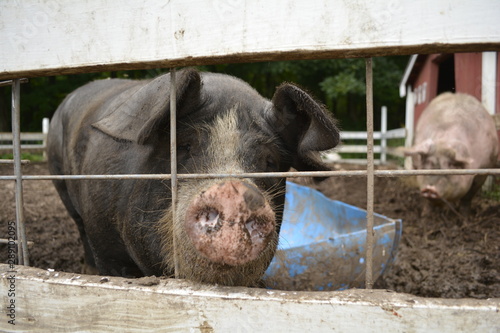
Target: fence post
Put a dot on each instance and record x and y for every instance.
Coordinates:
(45, 132)
(409, 120)
(489, 86)
(383, 133)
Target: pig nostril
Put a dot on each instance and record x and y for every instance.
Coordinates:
(212, 215)
(250, 225)
(430, 193)
(209, 218)
(253, 228)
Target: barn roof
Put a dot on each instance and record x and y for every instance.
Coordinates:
(411, 72)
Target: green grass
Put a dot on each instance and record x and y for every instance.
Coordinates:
(24, 156)
(494, 193)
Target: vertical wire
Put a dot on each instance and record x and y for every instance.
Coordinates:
(370, 178)
(173, 161)
(22, 246)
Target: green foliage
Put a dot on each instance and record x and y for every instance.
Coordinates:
(342, 84)
(24, 156)
(338, 83)
(494, 193)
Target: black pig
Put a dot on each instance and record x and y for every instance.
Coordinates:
(226, 230)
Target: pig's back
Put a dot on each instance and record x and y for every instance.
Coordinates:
(463, 118)
(449, 112)
(454, 109)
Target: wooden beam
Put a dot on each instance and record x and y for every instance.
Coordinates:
(52, 301)
(48, 301)
(47, 37)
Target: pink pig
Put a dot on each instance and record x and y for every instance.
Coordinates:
(454, 132)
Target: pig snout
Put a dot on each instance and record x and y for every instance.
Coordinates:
(230, 223)
(430, 192)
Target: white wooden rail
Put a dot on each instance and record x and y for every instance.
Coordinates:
(49, 301)
(47, 37)
(7, 138)
(382, 149)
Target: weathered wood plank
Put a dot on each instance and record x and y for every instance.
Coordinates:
(46, 37)
(62, 302)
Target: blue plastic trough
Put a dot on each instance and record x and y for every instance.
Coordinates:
(322, 244)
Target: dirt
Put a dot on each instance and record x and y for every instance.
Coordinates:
(442, 255)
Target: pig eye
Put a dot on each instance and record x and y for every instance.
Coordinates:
(271, 164)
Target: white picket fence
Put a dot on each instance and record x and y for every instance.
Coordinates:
(382, 149)
(31, 142)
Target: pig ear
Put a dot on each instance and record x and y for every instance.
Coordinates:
(141, 115)
(463, 160)
(458, 154)
(424, 148)
(305, 126)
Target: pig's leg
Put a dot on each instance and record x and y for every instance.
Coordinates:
(89, 266)
(465, 202)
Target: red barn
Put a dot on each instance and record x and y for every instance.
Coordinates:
(426, 76)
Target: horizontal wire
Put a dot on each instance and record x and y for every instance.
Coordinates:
(352, 173)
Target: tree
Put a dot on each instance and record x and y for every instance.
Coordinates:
(338, 83)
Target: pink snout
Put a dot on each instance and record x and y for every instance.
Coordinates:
(230, 223)
(430, 192)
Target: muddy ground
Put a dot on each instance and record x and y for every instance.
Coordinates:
(442, 255)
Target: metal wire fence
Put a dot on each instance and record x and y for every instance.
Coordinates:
(369, 173)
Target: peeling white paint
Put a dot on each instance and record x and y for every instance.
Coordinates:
(41, 35)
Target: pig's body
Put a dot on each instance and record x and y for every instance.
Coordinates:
(226, 230)
(454, 132)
